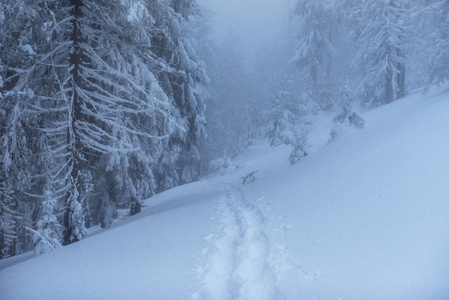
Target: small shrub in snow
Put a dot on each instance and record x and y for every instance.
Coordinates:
(219, 164)
(48, 231)
(299, 151)
(249, 178)
(346, 117)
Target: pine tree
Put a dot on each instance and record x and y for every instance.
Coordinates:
(439, 52)
(7, 220)
(15, 171)
(347, 115)
(284, 115)
(182, 79)
(382, 38)
(315, 48)
(299, 151)
(6, 215)
(16, 125)
(48, 231)
(93, 96)
(290, 119)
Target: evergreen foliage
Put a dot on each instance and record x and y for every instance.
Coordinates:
(99, 99)
(299, 144)
(439, 52)
(48, 231)
(289, 116)
(284, 115)
(346, 116)
(315, 48)
(382, 37)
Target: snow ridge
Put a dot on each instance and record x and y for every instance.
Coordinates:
(239, 256)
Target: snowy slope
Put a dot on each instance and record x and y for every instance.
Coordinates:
(366, 217)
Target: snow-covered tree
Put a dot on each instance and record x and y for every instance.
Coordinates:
(439, 52)
(347, 114)
(48, 231)
(7, 219)
(16, 126)
(289, 118)
(382, 36)
(181, 77)
(15, 171)
(299, 145)
(103, 90)
(284, 114)
(315, 48)
(7, 222)
(127, 99)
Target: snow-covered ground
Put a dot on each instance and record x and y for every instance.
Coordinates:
(365, 217)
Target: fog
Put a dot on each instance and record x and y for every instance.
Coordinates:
(249, 37)
(277, 64)
(254, 22)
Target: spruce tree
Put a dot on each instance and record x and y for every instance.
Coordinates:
(284, 114)
(347, 114)
(94, 97)
(48, 231)
(439, 52)
(182, 79)
(382, 37)
(315, 48)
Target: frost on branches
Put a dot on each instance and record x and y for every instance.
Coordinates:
(347, 115)
(48, 231)
(382, 37)
(101, 119)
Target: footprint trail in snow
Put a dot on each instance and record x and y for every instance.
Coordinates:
(239, 260)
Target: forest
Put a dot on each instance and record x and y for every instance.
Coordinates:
(106, 103)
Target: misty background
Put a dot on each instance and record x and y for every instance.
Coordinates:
(255, 23)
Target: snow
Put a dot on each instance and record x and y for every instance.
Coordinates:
(365, 217)
(28, 49)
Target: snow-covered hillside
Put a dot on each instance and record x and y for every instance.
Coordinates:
(365, 217)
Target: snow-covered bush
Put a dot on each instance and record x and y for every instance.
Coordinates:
(48, 231)
(346, 116)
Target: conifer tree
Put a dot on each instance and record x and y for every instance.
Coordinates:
(315, 48)
(16, 125)
(382, 38)
(48, 231)
(99, 94)
(182, 79)
(15, 173)
(284, 114)
(439, 52)
(347, 115)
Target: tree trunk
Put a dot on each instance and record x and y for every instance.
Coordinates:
(401, 81)
(314, 75)
(73, 139)
(329, 62)
(389, 85)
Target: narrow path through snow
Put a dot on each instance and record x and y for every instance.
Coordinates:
(239, 258)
